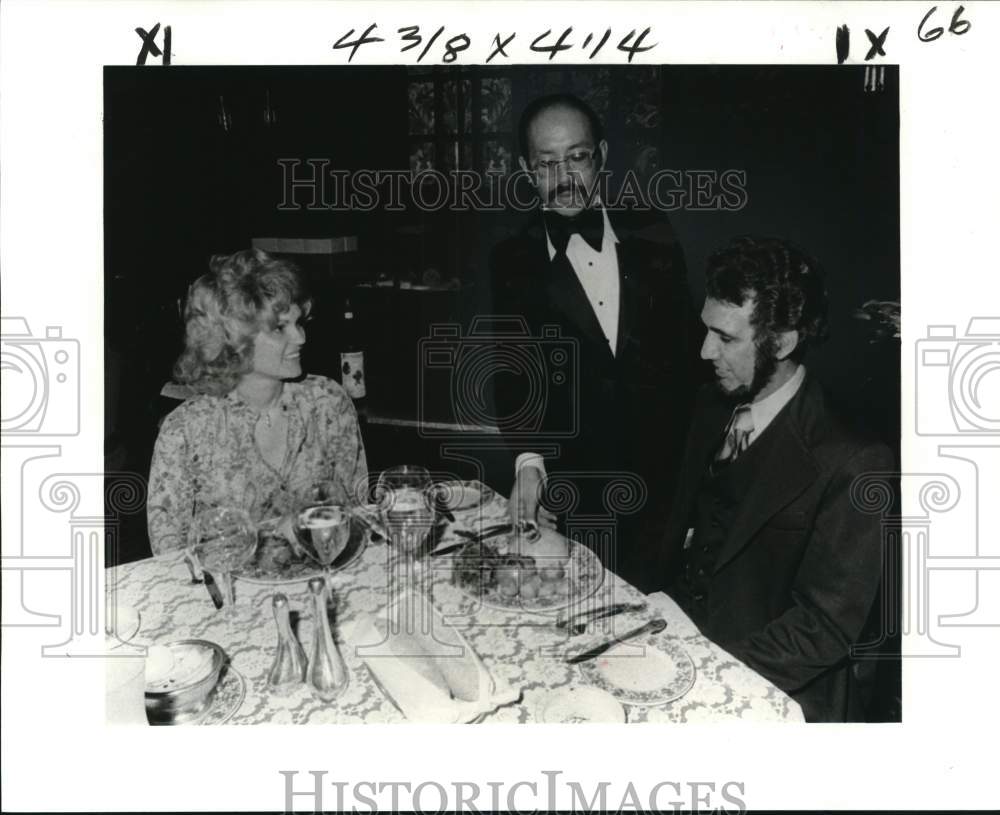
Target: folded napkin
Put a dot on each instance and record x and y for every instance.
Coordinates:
(425, 666)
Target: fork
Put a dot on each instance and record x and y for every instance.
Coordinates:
(590, 615)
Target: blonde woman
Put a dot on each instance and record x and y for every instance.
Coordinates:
(257, 434)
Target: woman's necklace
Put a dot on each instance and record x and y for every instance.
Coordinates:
(265, 414)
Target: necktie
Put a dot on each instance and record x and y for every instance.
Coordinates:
(589, 224)
(737, 436)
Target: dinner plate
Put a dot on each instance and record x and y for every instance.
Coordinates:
(459, 496)
(579, 706)
(661, 673)
(478, 580)
(276, 562)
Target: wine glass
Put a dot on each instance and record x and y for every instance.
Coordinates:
(406, 505)
(323, 531)
(223, 540)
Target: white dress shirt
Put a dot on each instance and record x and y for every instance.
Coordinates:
(598, 275)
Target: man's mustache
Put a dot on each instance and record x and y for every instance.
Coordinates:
(561, 189)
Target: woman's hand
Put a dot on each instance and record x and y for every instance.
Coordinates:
(525, 503)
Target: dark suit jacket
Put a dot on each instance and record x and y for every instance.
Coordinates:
(796, 577)
(626, 412)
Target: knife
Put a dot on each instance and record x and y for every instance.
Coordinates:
(213, 589)
(470, 539)
(652, 627)
(451, 547)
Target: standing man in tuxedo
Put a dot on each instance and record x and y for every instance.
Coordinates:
(591, 281)
(765, 549)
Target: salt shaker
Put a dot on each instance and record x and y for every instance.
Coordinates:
(327, 671)
(289, 667)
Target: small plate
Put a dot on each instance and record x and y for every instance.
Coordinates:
(661, 673)
(227, 698)
(276, 562)
(459, 496)
(580, 706)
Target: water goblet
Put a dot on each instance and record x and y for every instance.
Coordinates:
(406, 505)
(223, 540)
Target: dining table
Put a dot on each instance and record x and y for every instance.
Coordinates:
(524, 650)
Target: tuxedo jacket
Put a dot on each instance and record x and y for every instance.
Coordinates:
(601, 412)
(794, 582)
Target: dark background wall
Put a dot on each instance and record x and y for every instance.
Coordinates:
(183, 182)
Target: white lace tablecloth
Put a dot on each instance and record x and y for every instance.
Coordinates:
(522, 648)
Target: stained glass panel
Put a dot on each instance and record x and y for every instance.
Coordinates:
(451, 105)
(497, 157)
(641, 98)
(494, 113)
(594, 87)
(421, 156)
(421, 107)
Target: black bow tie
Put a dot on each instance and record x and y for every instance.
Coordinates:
(588, 223)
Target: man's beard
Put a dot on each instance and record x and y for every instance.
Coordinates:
(765, 363)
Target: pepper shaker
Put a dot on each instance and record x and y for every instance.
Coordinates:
(290, 665)
(327, 671)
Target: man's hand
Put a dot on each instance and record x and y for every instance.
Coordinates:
(525, 498)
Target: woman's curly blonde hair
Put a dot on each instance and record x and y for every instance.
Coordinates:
(225, 310)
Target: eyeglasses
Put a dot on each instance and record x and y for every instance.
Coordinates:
(577, 160)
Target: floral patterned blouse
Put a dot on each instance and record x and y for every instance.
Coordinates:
(206, 455)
